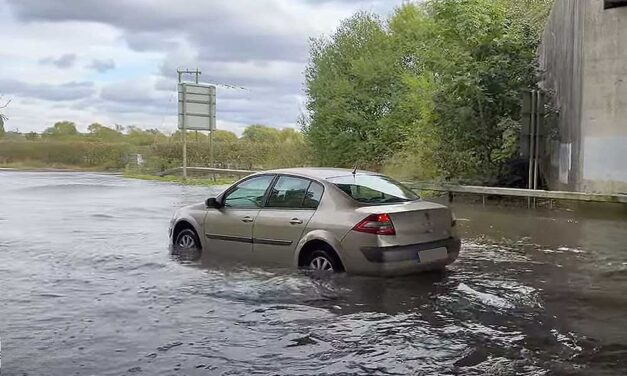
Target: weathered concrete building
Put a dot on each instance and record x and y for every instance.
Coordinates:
(584, 59)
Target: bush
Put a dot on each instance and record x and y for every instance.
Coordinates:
(260, 148)
(59, 153)
(241, 154)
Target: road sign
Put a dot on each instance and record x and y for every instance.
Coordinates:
(197, 107)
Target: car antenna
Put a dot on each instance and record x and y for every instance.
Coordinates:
(355, 170)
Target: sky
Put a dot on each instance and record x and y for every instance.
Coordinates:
(115, 61)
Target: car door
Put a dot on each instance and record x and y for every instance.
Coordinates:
(279, 226)
(229, 229)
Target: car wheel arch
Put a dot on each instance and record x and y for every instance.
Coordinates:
(310, 243)
(183, 224)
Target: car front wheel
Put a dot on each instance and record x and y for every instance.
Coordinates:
(187, 245)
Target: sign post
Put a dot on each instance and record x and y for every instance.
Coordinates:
(196, 111)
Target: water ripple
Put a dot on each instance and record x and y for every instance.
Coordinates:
(88, 288)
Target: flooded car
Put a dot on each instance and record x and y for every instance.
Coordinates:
(323, 219)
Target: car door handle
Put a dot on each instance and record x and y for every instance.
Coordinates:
(296, 221)
(247, 219)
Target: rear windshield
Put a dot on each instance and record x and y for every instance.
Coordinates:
(373, 189)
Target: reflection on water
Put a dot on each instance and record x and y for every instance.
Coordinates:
(88, 287)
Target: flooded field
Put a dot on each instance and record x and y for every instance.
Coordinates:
(87, 287)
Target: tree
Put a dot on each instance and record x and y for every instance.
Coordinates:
(61, 130)
(3, 118)
(351, 82)
(260, 133)
(433, 90)
(483, 54)
(220, 135)
(290, 136)
(102, 133)
(143, 137)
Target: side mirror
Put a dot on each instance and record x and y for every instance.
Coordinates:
(212, 203)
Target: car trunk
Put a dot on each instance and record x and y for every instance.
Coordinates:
(415, 222)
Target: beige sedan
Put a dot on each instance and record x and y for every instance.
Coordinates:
(323, 219)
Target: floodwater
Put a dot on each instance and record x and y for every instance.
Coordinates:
(87, 287)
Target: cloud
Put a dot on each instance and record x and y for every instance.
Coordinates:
(261, 45)
(64, 61)
(220, 30)
(150, 41)
(102, 65)
(53, 92)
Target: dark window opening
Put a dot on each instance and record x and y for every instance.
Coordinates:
(295, 193)
(313, 196)
(615, 4)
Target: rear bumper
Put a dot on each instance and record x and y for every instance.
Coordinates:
(401, 260)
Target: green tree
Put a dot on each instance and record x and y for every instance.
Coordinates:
(61, 130)
(290, 135)
(434, 91)
(220, 135)
(3, 118)
(102, 133)
(261, 133)
(143, 137)
(489, 58)
(351, 82)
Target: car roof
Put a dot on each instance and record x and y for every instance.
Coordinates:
(319, 172)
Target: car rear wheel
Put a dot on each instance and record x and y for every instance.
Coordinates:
(187, 245)
(323, 261)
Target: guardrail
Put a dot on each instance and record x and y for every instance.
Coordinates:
(519, 192)
(210, 170)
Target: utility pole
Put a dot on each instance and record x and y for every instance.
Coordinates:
(180, 73)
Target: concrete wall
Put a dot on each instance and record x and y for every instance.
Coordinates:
(561, 60)
(584, 59)
(604, 110)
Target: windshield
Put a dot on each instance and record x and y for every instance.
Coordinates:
(373, 189)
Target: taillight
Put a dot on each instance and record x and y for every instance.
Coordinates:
(379, 224)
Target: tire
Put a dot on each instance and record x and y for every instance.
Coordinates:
(323, 260)
(187, 245)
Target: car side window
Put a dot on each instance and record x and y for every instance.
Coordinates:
(249, 193)
(288, 192)
(313, 196)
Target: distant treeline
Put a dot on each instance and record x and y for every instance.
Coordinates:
(101, 147)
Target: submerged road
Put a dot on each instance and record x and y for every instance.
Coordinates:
(87, 287)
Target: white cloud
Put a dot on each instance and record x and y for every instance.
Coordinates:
(116, 61)
(102, 65)
(62, 62)
(68, 91)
